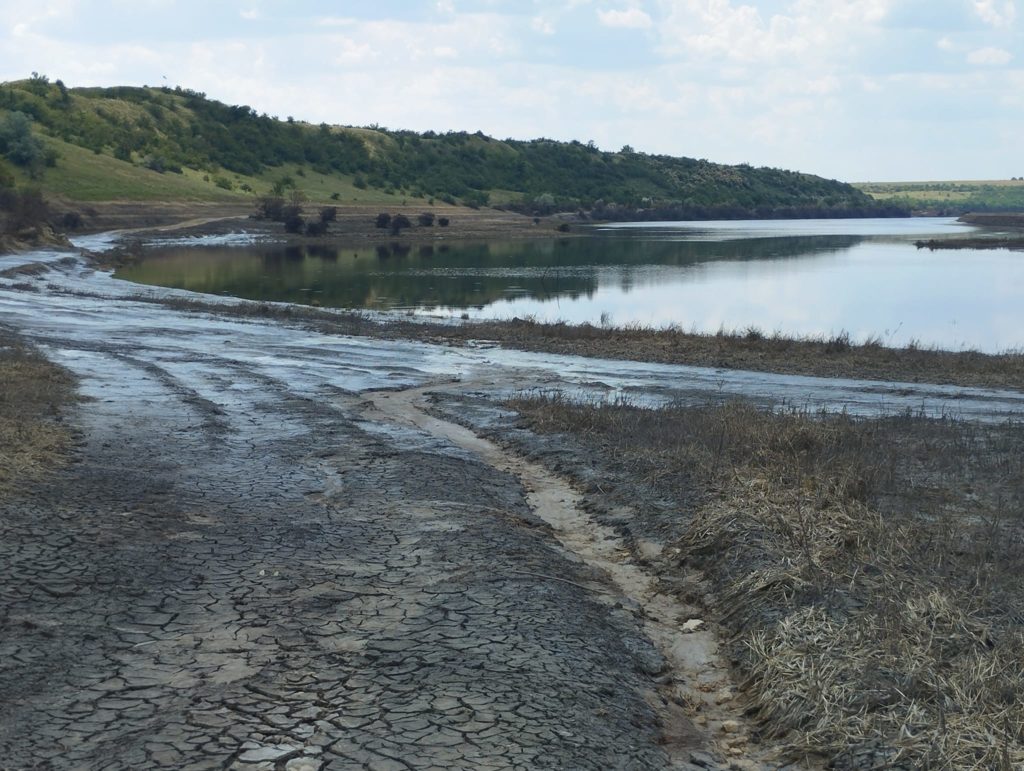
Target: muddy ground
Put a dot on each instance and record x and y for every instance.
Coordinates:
(266, 554)
(254, 561)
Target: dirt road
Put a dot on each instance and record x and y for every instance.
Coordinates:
(248, 566)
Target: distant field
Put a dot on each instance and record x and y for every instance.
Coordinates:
(950, 196)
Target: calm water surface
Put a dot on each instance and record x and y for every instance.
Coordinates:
(804, 277)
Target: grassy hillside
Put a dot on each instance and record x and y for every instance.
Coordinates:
(950, 197)
(158, 143)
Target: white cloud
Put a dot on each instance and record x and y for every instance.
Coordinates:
(816, 85)
(995, 13)
(809, 30)
(251, 14)
(349, 52)
(541, 25)
(989, 56)
(631, 18)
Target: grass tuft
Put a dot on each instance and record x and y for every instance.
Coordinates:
(33, 393)
(869, 572)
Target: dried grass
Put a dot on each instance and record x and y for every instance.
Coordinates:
(869, 570)
(32, 393)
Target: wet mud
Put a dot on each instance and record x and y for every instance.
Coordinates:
(271, 552)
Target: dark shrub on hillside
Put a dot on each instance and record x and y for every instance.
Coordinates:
(71, 220)
(426, 219)
(398, 222)
(329, 214)
(383, 219)
(316, 228)
(26, 208)
(291, 215)
(443, 221)
(270, 207)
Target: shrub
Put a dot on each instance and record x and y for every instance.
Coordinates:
(383, 220)
(443, 221)
(71, 220)
(426, 219)
(27, 208)
(316, 228)
(329, 214)
(398, 222)
(270, 207)
(18, 143)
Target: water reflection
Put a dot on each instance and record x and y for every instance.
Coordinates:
(401, 275)
(864, 277)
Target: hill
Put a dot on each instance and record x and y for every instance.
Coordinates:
(952, 197)
(92, 144)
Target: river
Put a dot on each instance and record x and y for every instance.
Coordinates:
(862, 277)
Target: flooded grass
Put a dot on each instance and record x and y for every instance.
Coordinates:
(869, 572)
(33, 393)
(752, 349)
(837, 356)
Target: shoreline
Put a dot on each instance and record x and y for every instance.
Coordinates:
(354, 223)
(750, 350)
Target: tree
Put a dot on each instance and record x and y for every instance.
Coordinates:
(398, 222)
(18, 143)
(270, 207)
(291, 215)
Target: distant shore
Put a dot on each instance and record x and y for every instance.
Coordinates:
(996, 236)
(352, 223)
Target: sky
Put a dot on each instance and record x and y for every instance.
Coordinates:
(857, 90)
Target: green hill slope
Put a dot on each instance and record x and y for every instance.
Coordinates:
(951, 198)
(149, 143)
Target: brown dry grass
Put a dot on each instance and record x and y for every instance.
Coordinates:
(32, 394)
(871, 572)
(835, 356)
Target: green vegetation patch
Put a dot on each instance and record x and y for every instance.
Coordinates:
(950, 198)
(206, 150)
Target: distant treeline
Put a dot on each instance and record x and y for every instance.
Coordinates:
(681, 212)
(168, 130)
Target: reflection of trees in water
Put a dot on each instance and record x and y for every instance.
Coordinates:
(457, 275)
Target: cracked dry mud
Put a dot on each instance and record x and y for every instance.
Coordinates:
(240, 571)
(298, 593)
(267, 556)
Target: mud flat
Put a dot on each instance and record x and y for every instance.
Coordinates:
(272, 549)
